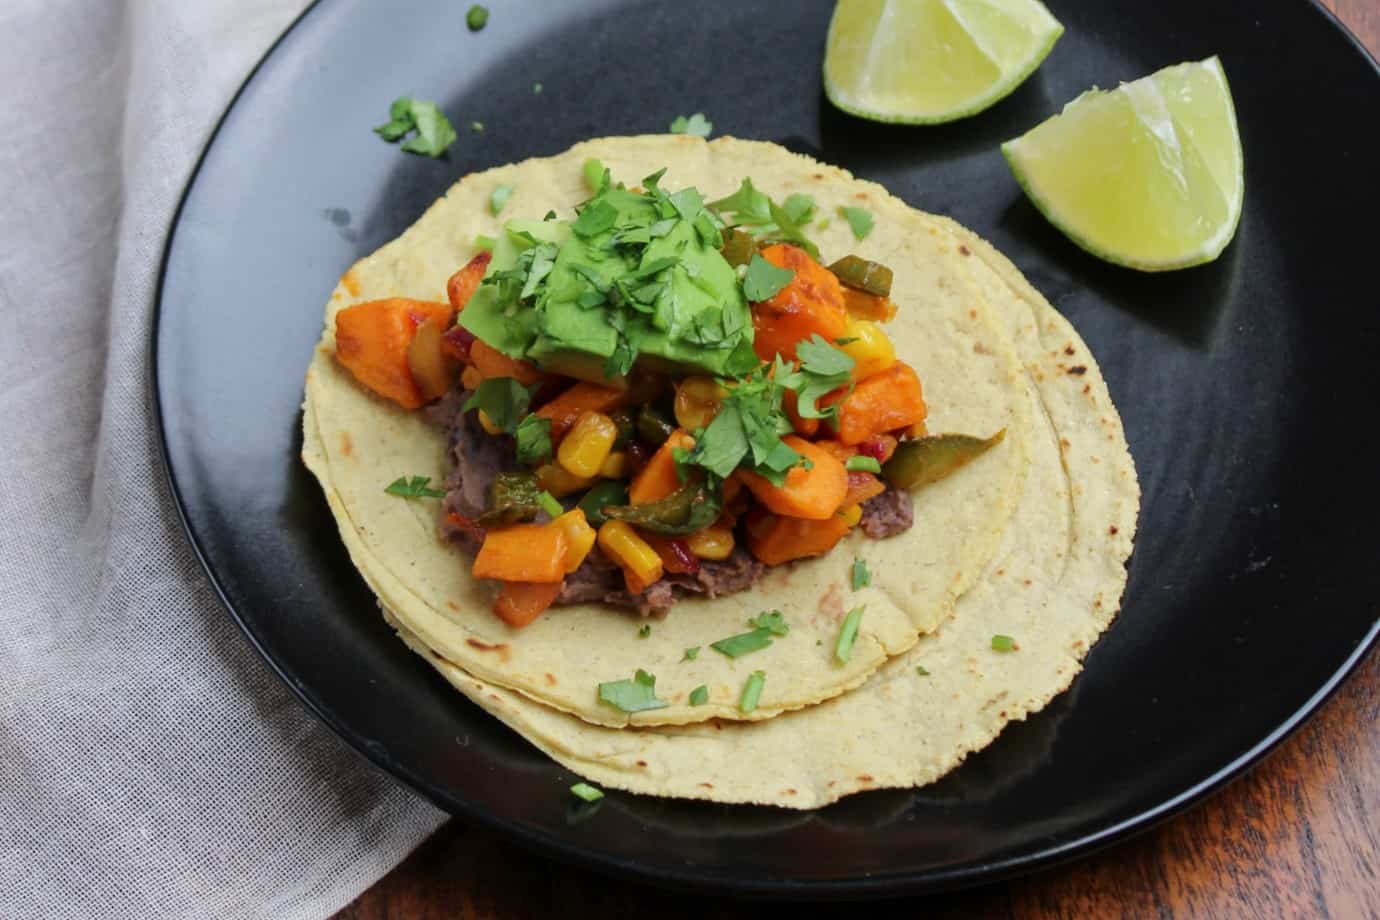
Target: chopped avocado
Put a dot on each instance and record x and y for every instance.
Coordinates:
(636, 274)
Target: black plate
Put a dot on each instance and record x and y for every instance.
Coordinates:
(1247, 388)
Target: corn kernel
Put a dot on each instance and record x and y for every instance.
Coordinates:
(851, 515)
(871, 351)
(579, 537)
(622, 544)
(559, 481)
(711, 543)
(615, 465)
(470, 377)
(488, 424)
(584, 448)
(697, 402)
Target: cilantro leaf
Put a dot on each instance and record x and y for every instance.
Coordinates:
(763, 279)
(503, 400)
(858, 463)
(859, 219)
(633, 695)
(533, 439)
(699, 696)
(848, 634)
(743, 643)
(696, 124)
(799, 207)
(434, 130)
(1003, 643)
(723, 444)
(416, 487)
(498, 198)
(817, 356)
(752, 691)
(691, 653)
(860, 575)
(476, 17)
(920, 669)
(595, 219)
(644, 631)
(586, 792)
(823, 369)
(771, 620)
(748, 204)
(484, 243)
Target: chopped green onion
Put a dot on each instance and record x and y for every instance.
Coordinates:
(476, 17)
(752, 691)
(691, 653)
(771, 620)
(1002, 643)
(843, 648)
(548, 503)
(699, 696)
(919, 669)
(861, 575)
(861, 464)
(586, 792)
(499, 198)
(644, 631)
(484, 243)
(739, 645)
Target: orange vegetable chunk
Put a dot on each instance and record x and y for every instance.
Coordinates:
(527, 552)
(862, 305)
(883, 402)
(491, 362)
(775, 539)
(566, 409)
(861, 487)
(462, 285)
(521, 602)
(372, 339)
(812, 303)
(815, 493)
(658, 478)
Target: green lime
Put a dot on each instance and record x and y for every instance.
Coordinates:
(930, 61)
(1147, 175)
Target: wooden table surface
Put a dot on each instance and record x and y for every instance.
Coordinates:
(1299, 836)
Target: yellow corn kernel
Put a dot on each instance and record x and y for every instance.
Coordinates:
(871, 352)
(615, 465)
(711, 543)
(622, 544)
(584, 448)
(488, 424)
(579, 537)
(851, 515)
(470, 378)
(559, 481)
(697, 402)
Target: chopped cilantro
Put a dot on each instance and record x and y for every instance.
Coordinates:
(920, 669)
(699, 696)
(752, 691)
(743, 643)
(644, 631)
(860, 574)
(696, 124)
(771, 620)
(799, 207)
(823, 369)
(595, 219)
(536, 89)
(477, 127)
(631, 695)
(499, 198)
(533, 439)
(848, 634)
(415, 487)
(586, 792)
(1002, 643)
(476, 17)
(859, 219)
(764, 279)
(434, 130)
(503, 400)
(547, 502)
(858, 463)
(691, 653)
(484, 243)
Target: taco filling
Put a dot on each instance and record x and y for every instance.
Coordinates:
(660, 397)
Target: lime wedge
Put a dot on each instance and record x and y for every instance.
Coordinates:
(1147, 175)
(930, 61)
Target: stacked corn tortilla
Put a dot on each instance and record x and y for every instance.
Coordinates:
(1028, 541)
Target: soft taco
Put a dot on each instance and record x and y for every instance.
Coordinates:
(843, 430)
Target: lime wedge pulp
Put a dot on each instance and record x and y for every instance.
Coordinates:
(1148, 175)
(931, 61)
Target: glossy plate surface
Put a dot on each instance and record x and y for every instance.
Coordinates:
(1247, 388)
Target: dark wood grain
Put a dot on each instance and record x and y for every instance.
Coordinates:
(1299, 836)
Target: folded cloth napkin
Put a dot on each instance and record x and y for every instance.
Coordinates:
(150, 764)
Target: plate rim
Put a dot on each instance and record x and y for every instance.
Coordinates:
(702, 880)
